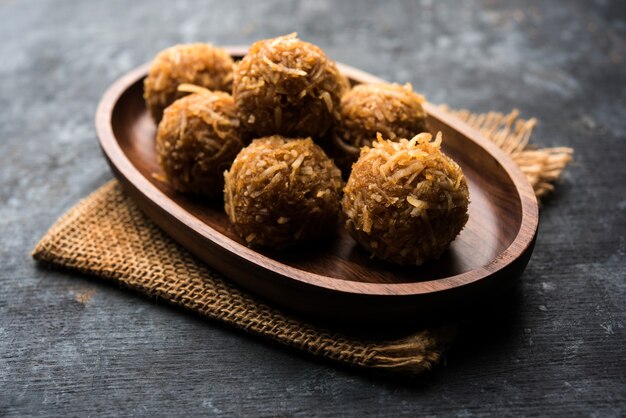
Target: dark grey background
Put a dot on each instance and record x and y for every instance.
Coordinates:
(78, 346)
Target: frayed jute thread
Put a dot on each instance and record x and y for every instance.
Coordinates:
(107, 236)
(541, 166)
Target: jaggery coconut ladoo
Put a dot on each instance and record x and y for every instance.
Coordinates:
(200, 64)
(282, 191)
(405, 201)
(288, 87)
(392, 109)
(197, 139)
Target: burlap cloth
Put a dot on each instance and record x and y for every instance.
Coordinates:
(107, 236)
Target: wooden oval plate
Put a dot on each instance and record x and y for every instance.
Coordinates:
(337, 280)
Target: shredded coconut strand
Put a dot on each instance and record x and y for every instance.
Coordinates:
(192, 88)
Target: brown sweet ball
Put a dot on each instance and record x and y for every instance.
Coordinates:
(197, 139)
(405, 201)
(394, 110)
(288, 87)
(201, 64)
(282, 191)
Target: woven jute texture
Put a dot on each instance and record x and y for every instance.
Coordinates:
(107, 236)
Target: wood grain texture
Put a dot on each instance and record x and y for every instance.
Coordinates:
(336, 278)
(75, 346)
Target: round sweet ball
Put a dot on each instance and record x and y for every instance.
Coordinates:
(197, 139)
(285, 86)
(200, 64)
(392, 109)
(280, 192)
(405, 201)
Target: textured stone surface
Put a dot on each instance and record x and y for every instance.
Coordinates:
(75, 345)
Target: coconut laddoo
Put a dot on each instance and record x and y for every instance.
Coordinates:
(392, 109)
(405, 201)
(197, 139)
(201, 64)
(282, 191)
(285, 86)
